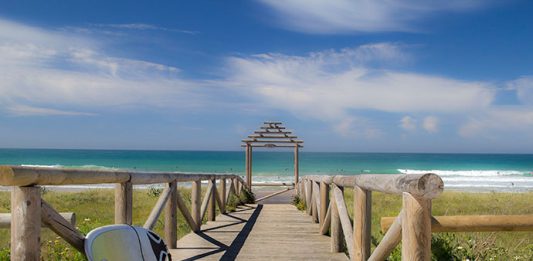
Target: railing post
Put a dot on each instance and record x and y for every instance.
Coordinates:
(223, 195)
(171, 220)
(315, 194)
(211, 207)
(309, 196)
(196, 203)
(123, 203)
(324, 201)
(26, 223)
(416, 228)
(362, 222)
(335, 230)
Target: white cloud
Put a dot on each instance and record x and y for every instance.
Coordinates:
(408, 123)
(144, 27)
(328, 85)
(339, 16)
(47, 68)
(524, 89)
(431, 124)
(496, 120)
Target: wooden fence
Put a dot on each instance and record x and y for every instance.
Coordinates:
(29, 211)
(412, 226)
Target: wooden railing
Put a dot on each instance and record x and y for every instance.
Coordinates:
(412, 226)
(29, 211)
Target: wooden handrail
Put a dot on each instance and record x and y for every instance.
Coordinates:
(28, 208)
(29, 176)
(412, 226)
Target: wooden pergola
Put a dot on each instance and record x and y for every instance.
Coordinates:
(271, 135)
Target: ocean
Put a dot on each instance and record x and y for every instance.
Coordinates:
(472, 172)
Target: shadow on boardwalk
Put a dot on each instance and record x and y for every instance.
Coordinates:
(257, 232)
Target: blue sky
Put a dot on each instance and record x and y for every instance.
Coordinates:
(368, 76)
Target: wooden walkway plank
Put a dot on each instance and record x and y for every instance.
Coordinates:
(258, 232)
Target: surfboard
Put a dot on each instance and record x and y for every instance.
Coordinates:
(125, 242)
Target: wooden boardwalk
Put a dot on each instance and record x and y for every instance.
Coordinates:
(258, 232)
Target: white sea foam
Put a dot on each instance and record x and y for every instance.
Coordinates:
(468, 173)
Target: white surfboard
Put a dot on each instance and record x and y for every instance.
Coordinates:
(125, 242)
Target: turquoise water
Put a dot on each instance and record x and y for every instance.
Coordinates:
(488, 171)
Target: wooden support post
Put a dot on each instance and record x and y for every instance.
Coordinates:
(250, 167)
(123, 203)
(26, 223)
(324, 228)
(308, 196)
(416, 228)
(186, 214)
(324, 201)
(316, 201)
(171, 216)
(362, 211)
(223, 195)
(296, 165)
(247, 162)
(336, 231)
(211, 208)
(196, 202)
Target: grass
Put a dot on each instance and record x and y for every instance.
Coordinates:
(93, 208)
(464, 245)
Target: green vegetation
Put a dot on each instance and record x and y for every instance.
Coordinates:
(95, 208)
(464, 245)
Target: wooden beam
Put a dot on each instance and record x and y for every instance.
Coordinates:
(389, 241)
(29, 176)
(416, 228)
(196, 202)
(206, 200)
(123, 203)
(259, 140)
(335, 229)
(186, 214)
(272, 146)
(324, 228)
(211, 206)
(324, 201)
(272, 128)
(316, 200)
(222, 196)
(171, 215)
(296, 165)
(479, 223)
(362, 211)
(26, 225)
(5, 219)
(272, 136)
(62, 227)
(272, 132)
(158, 208)
(345, 220)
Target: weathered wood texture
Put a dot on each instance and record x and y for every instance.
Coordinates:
(481, 223)
(419, 185)
(171, 215)
(335, 229)
(346, 225)
(62, 227)
(362, 223)
(324, 201)
(5, 219)
(29, 176)
(158, 207)
(26, 223)
(416, 228)
(123, 203)
(278, 232)
(211, 207)
(196, 207)
(272, 194)
(390, 240)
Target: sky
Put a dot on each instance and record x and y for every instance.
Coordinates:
(345, 75)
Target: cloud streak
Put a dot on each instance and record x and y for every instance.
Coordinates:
(43, 70)
(344, 16)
